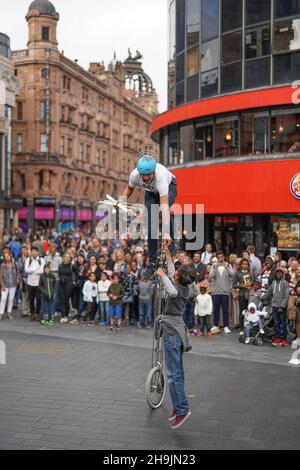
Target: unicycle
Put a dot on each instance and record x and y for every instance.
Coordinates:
(156, 382)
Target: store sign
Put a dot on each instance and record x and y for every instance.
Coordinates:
(44, 201)
(67, 203)
(295, 186)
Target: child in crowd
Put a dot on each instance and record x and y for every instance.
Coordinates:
(47, 289)
(252, 320)
(115, 293)
(91, 297)
(255, 293)
(145, 291)
(103, 286)
(203, 311)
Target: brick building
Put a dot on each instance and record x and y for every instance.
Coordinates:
(76, 133)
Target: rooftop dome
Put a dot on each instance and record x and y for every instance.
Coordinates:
(43, 6)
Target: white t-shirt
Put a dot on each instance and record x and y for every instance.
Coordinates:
(159, 184)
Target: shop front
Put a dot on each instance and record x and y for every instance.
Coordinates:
(85, 216)
(66, 215)
(44, 213)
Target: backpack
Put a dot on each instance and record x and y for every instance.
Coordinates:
(31, 259)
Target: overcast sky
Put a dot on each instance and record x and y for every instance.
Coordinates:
(90, 31)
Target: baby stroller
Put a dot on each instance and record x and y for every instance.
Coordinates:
(256, 336)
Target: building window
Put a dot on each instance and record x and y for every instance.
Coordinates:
(44, 143)
(173, 146)
(231, 77)
(192, 88)
(258, 42)
(62, 146)
(232, 14)
(22, 182)
(85, 93)
(98, 158)
(180, 67)
(20, 111)
(284, 8)
(45, 73)
(209, 55)
(286, 35)
(193, 22)
(186, 143)
(88, 153)
(209, 83)
(45, 33)
(254, 133)
(180, 25)
(204, 142)
(70, 148)
(41, 179)
(231, 48)
(43, 110)
(210, 19)
(257, 73)
(20, 143)
(227, 137)
(66, 83)
(104, 158)
(81, 152)
(257, 11)
(286, 68)
(180, 93)
(192, 62)
(285, 131)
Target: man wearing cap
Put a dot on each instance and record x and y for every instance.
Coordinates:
(34, 268)
(160, 189)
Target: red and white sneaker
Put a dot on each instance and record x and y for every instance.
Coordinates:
(284, 342)
(179, 420)
(173, 416)
(276, 342)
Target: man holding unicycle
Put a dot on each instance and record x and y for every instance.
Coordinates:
(160, 189)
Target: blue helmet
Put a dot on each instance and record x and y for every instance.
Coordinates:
(146, 164)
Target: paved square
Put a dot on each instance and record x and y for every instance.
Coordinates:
(74, 388)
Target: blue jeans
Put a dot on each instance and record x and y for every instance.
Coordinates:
(115, 311)
(145, 310)
(175, 373)
(104, 307)
(280, 323)
(47, 310)
(153, 225)
(188, 316)
(219, 301)
(250, 326)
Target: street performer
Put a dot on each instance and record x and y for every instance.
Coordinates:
(160, 188)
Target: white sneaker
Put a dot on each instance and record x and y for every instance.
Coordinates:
(64, 320)
(241, 333)
(262, 332)
(227, 330)
(215, 330)
(247, 340)
(296, 343)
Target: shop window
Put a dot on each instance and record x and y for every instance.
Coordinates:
(180, 64)
(193, 22)
(179, 93)
(186, 143)
(209, 55)
(180, 25)
(232, 14)
(284, 8)
(227, 137)
(210, 19)
(287, 35)
(231, 77)
(257, 11)
(285, 131)
(231, 48)
(257, 73)
(286, 68)
(173, 146)
(258, 42)
(287, 232)
(209, 83)
(192, 65)
(204, 142)
(192, 88)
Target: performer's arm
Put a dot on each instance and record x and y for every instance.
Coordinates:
(165, 211)
(127, 192)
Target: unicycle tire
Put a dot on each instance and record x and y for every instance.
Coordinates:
(156, 385)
